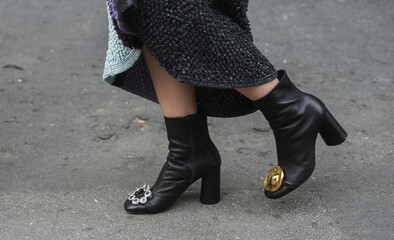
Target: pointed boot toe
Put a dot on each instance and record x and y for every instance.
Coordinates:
(282, 191)
(135, 209)
(279, 193)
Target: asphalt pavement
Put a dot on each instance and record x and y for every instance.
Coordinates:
(72, 146)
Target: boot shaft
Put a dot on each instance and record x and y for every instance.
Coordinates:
(190, 144)
(183, 131)
(283, 95)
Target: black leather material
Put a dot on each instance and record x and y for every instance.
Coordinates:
(295, 118)
(192, 155)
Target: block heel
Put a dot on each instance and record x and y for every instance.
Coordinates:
(331, 132)
(210, 188)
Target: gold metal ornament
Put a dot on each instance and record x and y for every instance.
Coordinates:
(273, 179)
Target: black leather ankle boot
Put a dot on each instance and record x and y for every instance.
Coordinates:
(295, 118)
(192, 155)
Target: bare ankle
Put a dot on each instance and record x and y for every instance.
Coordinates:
(256, 92)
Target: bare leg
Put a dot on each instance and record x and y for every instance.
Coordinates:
(176, 99)
(256, 92)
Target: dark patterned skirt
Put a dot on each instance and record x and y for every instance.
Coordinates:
(206, 43)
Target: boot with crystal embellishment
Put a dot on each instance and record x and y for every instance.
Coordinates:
(295, 118)
(192, 155)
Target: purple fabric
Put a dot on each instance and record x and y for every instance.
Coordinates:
(115, 14)
(124, 28)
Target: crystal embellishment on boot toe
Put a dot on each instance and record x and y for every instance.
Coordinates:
(273, 179)
(140, 195)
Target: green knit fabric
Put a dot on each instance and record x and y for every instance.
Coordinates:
(119, 57)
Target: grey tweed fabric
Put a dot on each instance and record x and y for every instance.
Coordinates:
(207, 43)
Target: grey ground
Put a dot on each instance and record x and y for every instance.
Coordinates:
(72, 146)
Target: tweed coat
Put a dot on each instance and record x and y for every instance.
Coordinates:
(207, 43)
